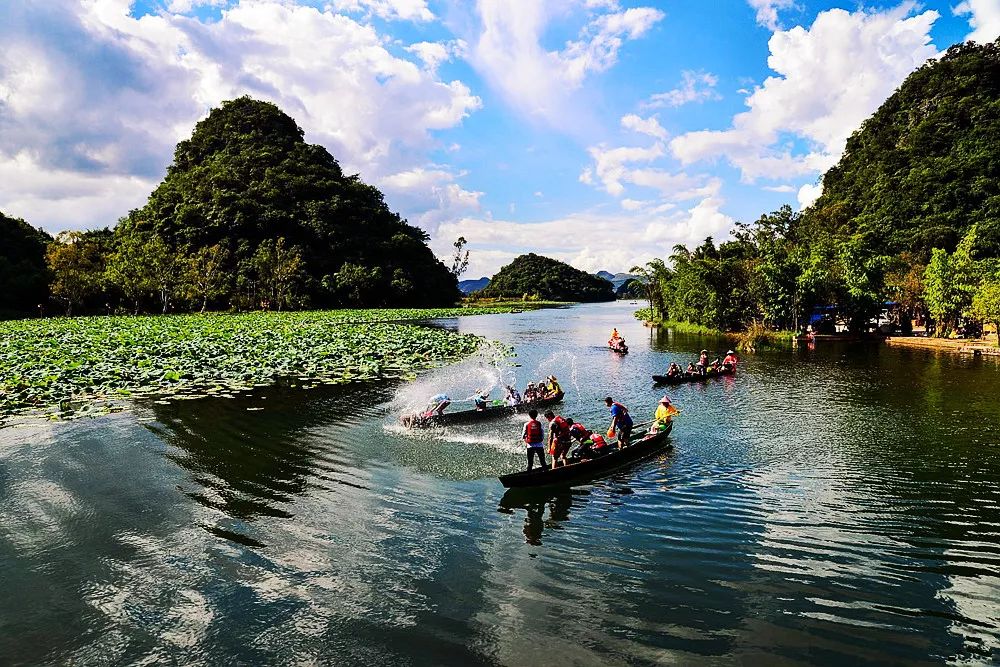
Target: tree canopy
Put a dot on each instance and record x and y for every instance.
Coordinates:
(546, 278)
(246, 193)
(24, 278)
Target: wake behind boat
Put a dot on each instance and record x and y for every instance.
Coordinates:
(588, 469)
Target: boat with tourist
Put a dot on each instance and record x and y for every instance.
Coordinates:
(588, 469)
(425, 420)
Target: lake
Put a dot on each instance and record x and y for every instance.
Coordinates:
(827, 506)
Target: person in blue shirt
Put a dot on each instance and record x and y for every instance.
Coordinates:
(621, 422)
(437, 404)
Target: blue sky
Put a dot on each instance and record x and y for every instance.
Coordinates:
(601, 132)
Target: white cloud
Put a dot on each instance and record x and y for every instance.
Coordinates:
(779, 188)
(984, 17)
(88, 90)
(808, 194)
(695, 87)
(185, 6)
(610, 165)
(579, 239)
(767, 11)
(648, 126)
(829, 79)
(406, 10)
(430, 195)
(508, 52)
(633, 204)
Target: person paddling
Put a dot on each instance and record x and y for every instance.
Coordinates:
(534, 440)
(559, 441)
(437, 404)
(621, 422)
(730, 361)
(665, 411)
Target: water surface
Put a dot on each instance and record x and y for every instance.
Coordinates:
(825, 506)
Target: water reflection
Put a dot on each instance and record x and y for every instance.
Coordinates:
(535, 502)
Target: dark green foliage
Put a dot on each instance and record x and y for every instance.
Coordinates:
(246, 179)
(548, 279)
(24, 278)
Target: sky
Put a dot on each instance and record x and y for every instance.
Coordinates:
(599, 132)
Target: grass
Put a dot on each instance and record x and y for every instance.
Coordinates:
(755, 336)
(74, 363)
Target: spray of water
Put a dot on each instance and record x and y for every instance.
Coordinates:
(556, 364)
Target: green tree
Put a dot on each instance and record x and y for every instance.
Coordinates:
(360, 284)
(77, 267)
(24, 276)
(986, 305)
(128, 270)
(460, 262)
(280, 271)
(205, 275)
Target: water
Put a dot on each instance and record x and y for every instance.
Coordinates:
(832, 506)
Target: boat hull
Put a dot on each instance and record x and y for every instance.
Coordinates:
(685, 379)
(585, 471)
(473, 416)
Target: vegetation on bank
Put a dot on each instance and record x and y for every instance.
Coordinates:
(248, 217)
(536, 277)
(753, 337)
(59, 361)
(910, 215)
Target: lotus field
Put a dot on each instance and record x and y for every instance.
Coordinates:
(76, 363)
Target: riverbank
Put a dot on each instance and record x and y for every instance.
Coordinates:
(67, 366)
(745, 341)
(973, 346)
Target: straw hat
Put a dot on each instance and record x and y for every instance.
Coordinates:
(665, 400)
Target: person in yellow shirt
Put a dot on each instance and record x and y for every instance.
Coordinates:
(665, 411)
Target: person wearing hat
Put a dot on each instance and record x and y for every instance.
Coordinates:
(729, 363)
(552, 389)
(665, 411)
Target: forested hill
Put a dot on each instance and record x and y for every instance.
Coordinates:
(246, 193)
(926, 166)
(24, 278)
(548, 279)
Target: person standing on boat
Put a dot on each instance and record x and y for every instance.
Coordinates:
(559, 440)
(621, 422)
(703, 362)
(730, 361)
(534, 440)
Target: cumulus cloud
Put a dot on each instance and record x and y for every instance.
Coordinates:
(808, 194)
(767, 11)
(430, 195)
(509, 54)
(406, 10)
(648, 126)
(984, 17)
(694, 87)
(89, 89)
(829, 78)
(579, 239)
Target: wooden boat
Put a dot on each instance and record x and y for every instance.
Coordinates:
(684, 379)
(619, 349)
(472, 416)
(578, 473)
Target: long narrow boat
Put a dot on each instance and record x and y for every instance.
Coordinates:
(472, 416)
(578, 473)
(685, 378)
(619, 349)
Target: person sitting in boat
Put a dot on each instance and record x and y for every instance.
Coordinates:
(691, 370)
(665, 411)
(674, 370)
(482, 399)
(729, 363)
(702, 364)
(513, 397)
(615, 337)
(559, 441)
(529, 393)
(534, 440)
(715, 366)
(552, 389)
(621, 422)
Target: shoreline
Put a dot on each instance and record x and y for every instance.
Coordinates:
(970, 346)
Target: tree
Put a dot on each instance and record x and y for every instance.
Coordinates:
(24, 277)
(460, 262)
(940, 293)
(77, 267)
(205, 277)
(986, 305)
(280, 270)
(360, 284)
(128, 270)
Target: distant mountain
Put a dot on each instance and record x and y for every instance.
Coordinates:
(616, 279)
(549, 279)
(470, 286)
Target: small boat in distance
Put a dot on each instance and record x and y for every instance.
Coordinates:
(691, 377)
(619, 347)
(472, 416)
(584, 471)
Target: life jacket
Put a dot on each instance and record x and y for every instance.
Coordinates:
(560, 428)
(579, 431)
(623, 417)
(533, 432)
(598, 440)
